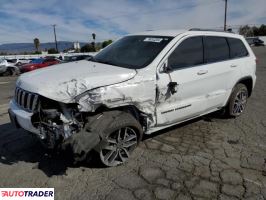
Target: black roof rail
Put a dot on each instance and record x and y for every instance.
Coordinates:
(213, 30)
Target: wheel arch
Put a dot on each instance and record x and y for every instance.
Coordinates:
(248, 82)
(131, 109)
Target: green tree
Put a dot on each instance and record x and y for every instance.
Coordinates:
(255, 30)
(52, 51)
(36, 42)
(106, 43)
(262, 30)
(88, 48)
(246, 31)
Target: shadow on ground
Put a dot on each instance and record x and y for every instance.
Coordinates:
(17, 145)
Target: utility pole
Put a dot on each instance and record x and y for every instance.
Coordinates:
(225, 14)
(55, 38)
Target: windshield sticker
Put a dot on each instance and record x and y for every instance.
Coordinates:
(149, 39)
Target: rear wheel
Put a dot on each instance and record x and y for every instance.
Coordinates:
(238, 100)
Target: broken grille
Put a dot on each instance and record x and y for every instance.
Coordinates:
(26, 100)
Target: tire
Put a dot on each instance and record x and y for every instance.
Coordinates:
(237, 101)
(120, 134)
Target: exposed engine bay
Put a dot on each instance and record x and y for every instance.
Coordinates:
(56, 121)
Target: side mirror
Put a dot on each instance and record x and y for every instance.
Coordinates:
(173, 87)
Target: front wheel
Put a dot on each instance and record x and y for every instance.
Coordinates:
(238, 100)
(121, 136)
(120, 145)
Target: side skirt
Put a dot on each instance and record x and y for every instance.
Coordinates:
(158, 128)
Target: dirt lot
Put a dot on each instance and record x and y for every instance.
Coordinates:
(208, 158)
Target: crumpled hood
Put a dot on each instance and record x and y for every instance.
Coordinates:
(64, 82)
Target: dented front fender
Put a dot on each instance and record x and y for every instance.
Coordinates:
(139, 92)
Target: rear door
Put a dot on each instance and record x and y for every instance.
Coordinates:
(221, 70)
(241, 59)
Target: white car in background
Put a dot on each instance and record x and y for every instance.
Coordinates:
(138, 85)
(17, 62)
(8, 69)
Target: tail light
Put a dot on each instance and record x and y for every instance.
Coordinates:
(257, 60)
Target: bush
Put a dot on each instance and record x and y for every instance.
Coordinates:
(88, 48)
(52, 51)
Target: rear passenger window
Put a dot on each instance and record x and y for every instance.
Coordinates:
(215, 49)
(188, 53)
(237, 48)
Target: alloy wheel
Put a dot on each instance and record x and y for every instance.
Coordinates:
(240, 102)
(119, 146)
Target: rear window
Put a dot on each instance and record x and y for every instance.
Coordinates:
(237, 48)
(215, 49)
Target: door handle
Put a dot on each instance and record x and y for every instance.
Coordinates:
(201, 72)
(233, 65)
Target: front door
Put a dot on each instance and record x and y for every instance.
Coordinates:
(188, 71)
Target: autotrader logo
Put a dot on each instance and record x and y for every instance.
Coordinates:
(27, 193)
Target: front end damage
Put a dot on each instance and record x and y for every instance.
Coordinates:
(56, 121)
(62, 124)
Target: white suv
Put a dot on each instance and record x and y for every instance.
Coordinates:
(140, 84)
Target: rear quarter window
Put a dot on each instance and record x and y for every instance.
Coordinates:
(237, 48)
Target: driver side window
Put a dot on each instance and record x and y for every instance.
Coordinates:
(188, 53)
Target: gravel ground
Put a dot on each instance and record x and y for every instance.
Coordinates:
(207, 158)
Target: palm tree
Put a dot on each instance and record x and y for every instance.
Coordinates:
(93, 43)
(36, 44)
(93, 36)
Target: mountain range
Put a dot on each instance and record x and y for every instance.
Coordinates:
(29, 47)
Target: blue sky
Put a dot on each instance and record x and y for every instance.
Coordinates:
(23, 20)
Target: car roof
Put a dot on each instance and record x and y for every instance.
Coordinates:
(170, 33)
(174, 33)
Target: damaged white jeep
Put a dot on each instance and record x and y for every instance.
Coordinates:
(138, 85)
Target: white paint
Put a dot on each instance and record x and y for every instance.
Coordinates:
(23, 117)
(64, 82)
(91, 84)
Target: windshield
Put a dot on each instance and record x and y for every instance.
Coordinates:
(133, 52)
(37, 61)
